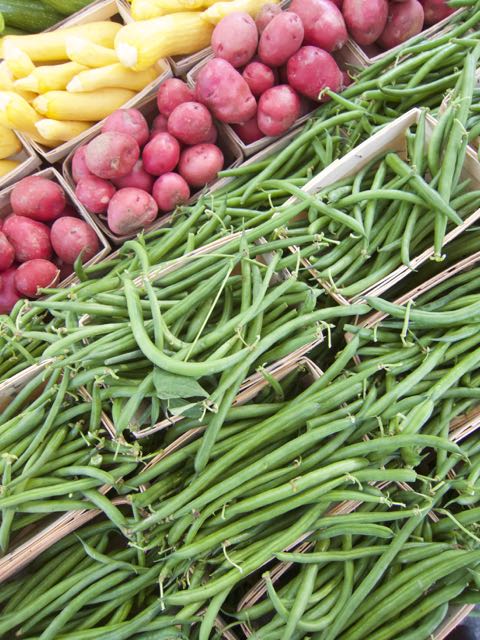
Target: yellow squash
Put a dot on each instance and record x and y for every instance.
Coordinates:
(88, 53)
(9, 143)
(115, 75)
(50, 46)
(7, 165)
(61, 130)
(84, 107)
(219, 10)
(53, 77)
(140, 44)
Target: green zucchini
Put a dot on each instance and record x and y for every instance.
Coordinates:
(29, 15)
(2, 23)
(11, 31)
(66, 7)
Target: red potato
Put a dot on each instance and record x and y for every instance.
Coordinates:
(235, 39)
(171, 93)
(112, 155)
(278, 109)
(29, 238)
(365, 19)
(95, 193)
(311, 70)
(9, 296)
(71, 237)
(35, 274)
(170, 190)
(161, 154)
(323, 23)
(130, 210)
(435, 11)
(129, 121)
(200, 164)
(248, 132)
(282, 37)
(190, 123)
(79, 164)
(259, 77)
(38, 198)
(137, 178)
(405, 20)
(7, 252)
(265, 15)
(212, 134)
(222, 89)
(159, 125)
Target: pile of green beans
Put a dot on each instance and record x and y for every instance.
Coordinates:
(183, 343)
(56, 456)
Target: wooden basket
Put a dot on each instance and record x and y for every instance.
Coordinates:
(52, 174)
(148, 107)
(389, 138)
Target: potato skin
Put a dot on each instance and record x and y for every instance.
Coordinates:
(112, 155)
(161, 154)
(265, 15)
(311, 70)
(7, 253)
(71, 237)
(35, 274)
(9, 295)
(278, 109)
(94, 193)
(405, 20)
(170, 190)
(259, 77)
(235, 39)
(38, 198)
(131, 209)
(435, 11)
(190, 123)
(282, 37)
(29, 238)
(365, 19)
(323, 23)
(79, 164)
(221, 88)
(129, 121)
(200, 164)
(171, 93)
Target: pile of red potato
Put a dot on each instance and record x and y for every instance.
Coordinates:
(40, 240)
(131, 172)
(267, 73)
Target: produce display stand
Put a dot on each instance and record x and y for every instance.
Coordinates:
(314, 366)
